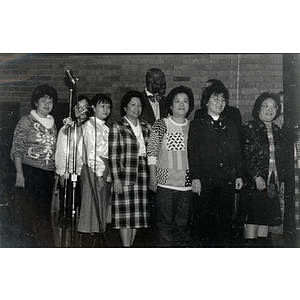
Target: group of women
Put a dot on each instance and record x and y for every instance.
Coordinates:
(195, 167)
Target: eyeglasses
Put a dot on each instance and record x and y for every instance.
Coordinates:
(269, 106)
(218, 98)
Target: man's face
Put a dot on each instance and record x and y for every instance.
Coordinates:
(158, 85)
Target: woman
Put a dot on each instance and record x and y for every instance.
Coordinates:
(127, 159)
(33, 153)
(262, 154)
(215, 169)
(169, 169)
(65, 161)
(94, 175)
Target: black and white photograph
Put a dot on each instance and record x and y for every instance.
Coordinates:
(147, 156)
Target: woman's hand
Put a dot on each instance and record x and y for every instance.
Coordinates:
(282, 188)
(100, 183)
(153, 184)
(118, 188)
(260, 183)
(63, 177)
(239, 183)
(20, 180)
(68, 122)
(196, 186)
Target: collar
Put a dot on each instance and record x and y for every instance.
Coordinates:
(148, 93)
(47, 122)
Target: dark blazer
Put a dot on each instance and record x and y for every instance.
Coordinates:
(230, 112)
(148, 114)
(255, 147)
(123, 150)
(214, 158)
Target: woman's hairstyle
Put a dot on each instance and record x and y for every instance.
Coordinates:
(280, 93)
(217, 82)
(41, 91)
(126, 99)
(216, 89)
(176, 91)
(261, 98)
(83, 97)
(101, 98)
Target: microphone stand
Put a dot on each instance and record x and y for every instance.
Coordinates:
(74, 182)
(72, 176)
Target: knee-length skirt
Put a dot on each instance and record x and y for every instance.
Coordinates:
(256, 207)
(94, 203)
(131, 209)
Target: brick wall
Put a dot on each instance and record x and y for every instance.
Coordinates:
(246, 75)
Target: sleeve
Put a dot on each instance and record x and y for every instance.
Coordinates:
(93, 159)
(280, 150)
(157, 133)
(238, 120)
(194, 155)
(114, 152)
(60, 153)
(238, 154)
(20, 138)
(250, 152)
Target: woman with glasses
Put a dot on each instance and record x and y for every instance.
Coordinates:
(263, 167)
(215, 162)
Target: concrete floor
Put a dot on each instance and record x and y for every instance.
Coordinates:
(12, 236)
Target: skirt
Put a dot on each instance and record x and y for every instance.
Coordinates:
(94, 203)
(256, 207)
(131, 209)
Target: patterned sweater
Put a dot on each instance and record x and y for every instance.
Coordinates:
(167, 149)
(34, 143)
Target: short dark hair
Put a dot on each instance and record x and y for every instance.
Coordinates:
(83, 97)
(261, 98)
(126, 99)
(215, 82)
(213, 89)
(41, 91)
(153, 73)
(101, 98)
(280, 93)
(177, 90)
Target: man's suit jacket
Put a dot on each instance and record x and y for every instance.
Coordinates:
(148, 114)
(123, 151)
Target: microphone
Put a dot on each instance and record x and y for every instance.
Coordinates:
(82, 110)
(69, 73)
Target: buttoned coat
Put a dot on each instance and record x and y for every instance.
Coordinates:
(123, 151)
(214, 158)
(230, 112)
(148, 114)
(255, 146)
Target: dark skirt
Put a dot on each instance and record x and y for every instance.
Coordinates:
(94, 203)
(256, 207)
(131, 209)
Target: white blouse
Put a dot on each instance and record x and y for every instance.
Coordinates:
(137, 130)
(95, 144)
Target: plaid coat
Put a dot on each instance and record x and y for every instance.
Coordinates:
(123, 149)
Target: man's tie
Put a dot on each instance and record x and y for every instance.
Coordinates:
(154, 98)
